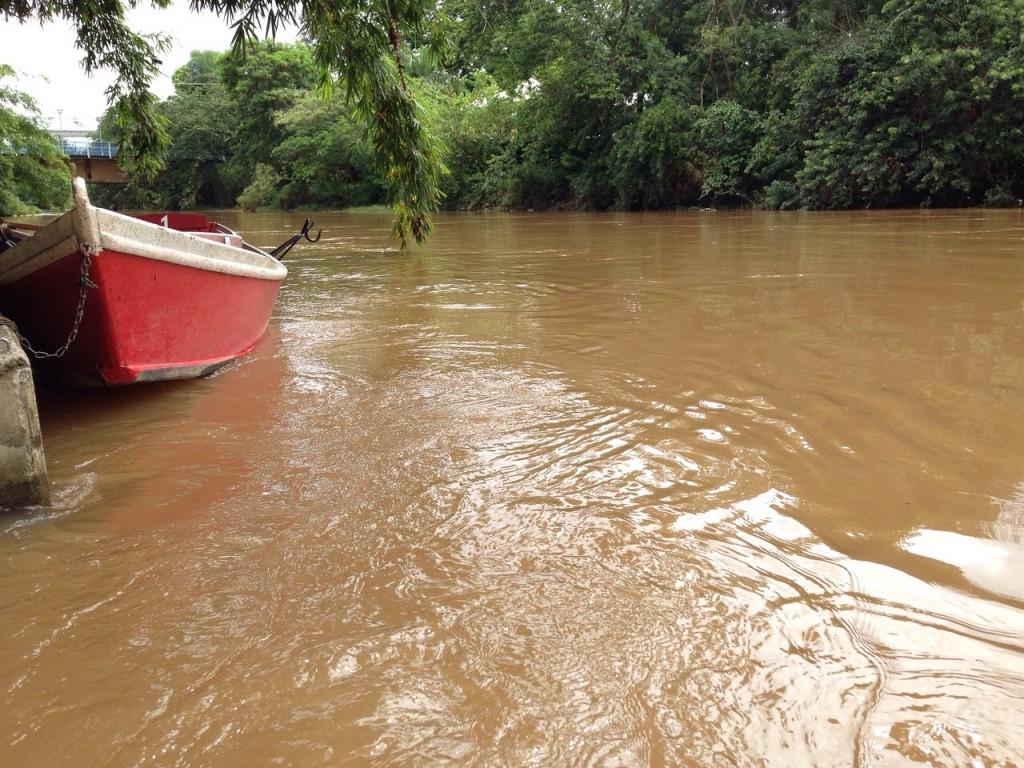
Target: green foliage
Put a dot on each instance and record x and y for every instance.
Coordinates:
(357, 45)
(1001, 197)
(816, 103)
(265, 80)
(924, 105)
(202, 122)
(264, 191)
(33, 172)
(655, 162)
(106, 42)
(132, 196)
(602, 103)
(728, 134)
(477, 120)
(358, 48)
(236, 122)
(781, 195)
(325, 156)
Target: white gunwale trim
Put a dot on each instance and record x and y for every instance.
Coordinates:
(140, 238)
(86, 225)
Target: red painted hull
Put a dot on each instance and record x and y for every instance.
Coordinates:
(146, 320)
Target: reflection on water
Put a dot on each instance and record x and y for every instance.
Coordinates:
(598, 490)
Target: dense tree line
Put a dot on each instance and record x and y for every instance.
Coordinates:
(631, 104)
(792, 103)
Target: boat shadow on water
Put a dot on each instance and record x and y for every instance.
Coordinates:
(140, 455)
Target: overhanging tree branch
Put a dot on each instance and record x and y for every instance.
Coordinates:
(356, 44)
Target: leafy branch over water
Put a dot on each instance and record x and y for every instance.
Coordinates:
(357, 43)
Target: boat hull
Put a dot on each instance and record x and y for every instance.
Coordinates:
(146, 320)
(169, 301)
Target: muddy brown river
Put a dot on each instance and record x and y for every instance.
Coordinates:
(694, 489)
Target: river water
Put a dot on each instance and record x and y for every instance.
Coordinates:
(695, 489)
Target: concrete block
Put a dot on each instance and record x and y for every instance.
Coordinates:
(22, 463)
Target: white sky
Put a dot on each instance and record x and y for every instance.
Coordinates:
(49, 65)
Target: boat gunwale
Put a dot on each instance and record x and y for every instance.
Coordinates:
(86, 226)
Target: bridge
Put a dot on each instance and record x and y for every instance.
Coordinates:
(94, 160)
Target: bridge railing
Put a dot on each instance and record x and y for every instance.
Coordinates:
(76, 147)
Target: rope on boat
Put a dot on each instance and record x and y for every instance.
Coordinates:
(84, 284)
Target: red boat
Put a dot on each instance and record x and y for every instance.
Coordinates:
(100, 297)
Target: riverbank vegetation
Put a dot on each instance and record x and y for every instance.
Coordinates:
(630, 104)
(33, 172)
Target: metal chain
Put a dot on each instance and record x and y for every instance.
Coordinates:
(84, 285)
